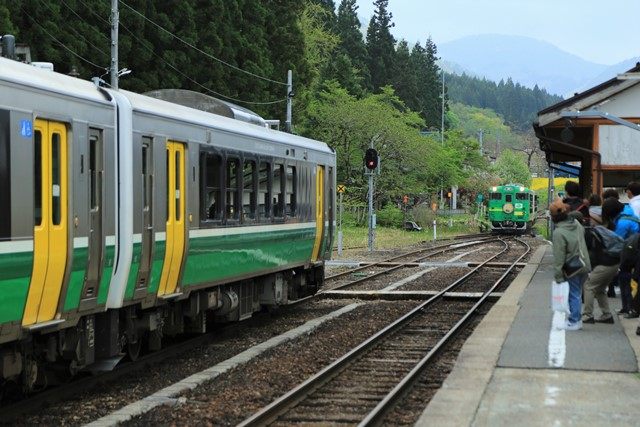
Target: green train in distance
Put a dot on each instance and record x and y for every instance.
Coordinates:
(511, 209)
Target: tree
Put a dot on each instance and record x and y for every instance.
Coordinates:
(351, 42)
(380, 46)
(512, 169)
(404, 79)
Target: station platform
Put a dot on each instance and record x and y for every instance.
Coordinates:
(517, 369)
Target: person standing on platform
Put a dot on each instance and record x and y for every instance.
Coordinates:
(633, 192)
(568, 243)
(611, 192)
(620, 219)
(595, 210)
(578, 207)
(605, 268)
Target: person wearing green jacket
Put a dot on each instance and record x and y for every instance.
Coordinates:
(568, 242)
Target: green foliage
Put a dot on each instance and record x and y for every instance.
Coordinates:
(516, 103)
(512, 169)
(381, 46)
(390, 216)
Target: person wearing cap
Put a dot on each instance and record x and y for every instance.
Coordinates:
(568, 242)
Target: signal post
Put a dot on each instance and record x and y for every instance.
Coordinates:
(371, 164)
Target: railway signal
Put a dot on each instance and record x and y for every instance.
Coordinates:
(371, 159)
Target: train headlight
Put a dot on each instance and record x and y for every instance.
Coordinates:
(494, 189)
(521, 188)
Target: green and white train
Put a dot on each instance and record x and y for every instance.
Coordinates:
(124, 219)
(511, 208)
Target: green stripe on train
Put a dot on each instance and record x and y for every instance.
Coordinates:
(15, 274)
(78, 272)
(224, 257)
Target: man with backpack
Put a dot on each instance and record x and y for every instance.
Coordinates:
(621, 220)
(578, 207)
(630, 264)
(604, 253)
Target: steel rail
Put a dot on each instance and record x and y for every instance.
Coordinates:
(397, 267)
(437, 250)
(271, 412)
(377, 415)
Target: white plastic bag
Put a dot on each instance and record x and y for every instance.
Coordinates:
(560, 296)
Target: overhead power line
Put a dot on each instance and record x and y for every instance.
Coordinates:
(60, 43)
(200, 50)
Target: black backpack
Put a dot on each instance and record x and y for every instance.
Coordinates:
(630, 253)
(599, 253)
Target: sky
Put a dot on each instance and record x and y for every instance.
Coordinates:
(605, 32)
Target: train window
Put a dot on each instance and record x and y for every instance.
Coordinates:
(177, 183)
(496, 196)
(264, 190)
(37, 177)
(210, 188)
(508, 198)
(146, 172)
(233, 178)
(278, 199)
(291, 191)
(249, 190)
(55, 179)
(522, 196)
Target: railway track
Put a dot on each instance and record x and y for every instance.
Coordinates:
(365, 384)
(390, 265)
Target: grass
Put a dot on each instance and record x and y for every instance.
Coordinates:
(388, 238)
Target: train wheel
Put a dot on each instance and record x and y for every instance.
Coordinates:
(134, 349)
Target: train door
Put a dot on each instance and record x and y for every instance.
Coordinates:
(50, 241)
(175, 234)
(96, 243)
(319, 213)
(147, 219)
(330, 212)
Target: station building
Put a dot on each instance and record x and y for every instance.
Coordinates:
(595, 135)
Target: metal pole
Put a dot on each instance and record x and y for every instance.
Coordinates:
(550, 194)
(372, 218)
(481, 135)
(287, 124)
(371, 215)
(114, 44)
(442, 113)
(340, 228)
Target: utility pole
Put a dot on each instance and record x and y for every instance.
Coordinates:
(114, 44)
(480, 135)
(287, 124)
(442, 132)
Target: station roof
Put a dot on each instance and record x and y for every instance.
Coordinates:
(590, 97)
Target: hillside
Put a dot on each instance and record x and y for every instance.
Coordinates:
(526, 60)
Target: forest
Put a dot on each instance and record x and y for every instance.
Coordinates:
(354, 83)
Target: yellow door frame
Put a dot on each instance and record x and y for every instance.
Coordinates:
(175, 226)
(319, 213)
(50, 236)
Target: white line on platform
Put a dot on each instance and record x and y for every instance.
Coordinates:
(557, 348)
(168, 395)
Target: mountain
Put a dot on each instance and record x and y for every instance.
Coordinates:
(610, 72)
(526, 60)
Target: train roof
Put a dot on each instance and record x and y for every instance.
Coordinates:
(502, 187)
(158, 107)
(30, 76)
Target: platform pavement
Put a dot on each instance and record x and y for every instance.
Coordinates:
(504, 377)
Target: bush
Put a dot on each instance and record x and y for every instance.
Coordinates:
(390, 216)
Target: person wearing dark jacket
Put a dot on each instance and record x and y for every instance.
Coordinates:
(578, 207)
(604, 269)
(568, 243)
(619, 218)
